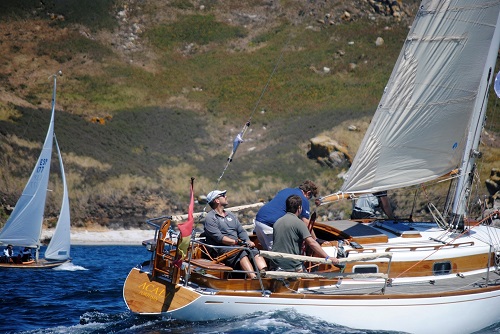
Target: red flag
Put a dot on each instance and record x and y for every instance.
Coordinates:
(186, 228)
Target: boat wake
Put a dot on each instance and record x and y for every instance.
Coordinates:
(285, 321)
(278, 322)
(69, 266)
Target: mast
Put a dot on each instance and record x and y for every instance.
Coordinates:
(471, 153)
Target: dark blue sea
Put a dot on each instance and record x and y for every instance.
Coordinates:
(85, 296)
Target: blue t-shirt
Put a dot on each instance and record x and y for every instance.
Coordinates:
(276, 208)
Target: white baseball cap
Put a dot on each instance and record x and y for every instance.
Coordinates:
(214, 194)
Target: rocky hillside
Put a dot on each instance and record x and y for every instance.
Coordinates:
(153, 92)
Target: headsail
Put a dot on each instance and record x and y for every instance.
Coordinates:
(420, 129)
(24, 226)
(59, 246)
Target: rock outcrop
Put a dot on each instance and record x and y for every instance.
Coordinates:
(329, 152)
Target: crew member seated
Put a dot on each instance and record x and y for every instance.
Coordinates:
(8, 254)
(26, 254)
(222, 228)
(370, 205)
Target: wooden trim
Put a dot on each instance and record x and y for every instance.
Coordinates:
(361, 250)
(414, 248)
(380, 297)
(210, 265)
(334, 198)
(232, 209)
(400, 269)
(41, 264)
(145, 295)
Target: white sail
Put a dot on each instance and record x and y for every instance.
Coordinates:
(430, 105)
(59, 246)
(24, 226)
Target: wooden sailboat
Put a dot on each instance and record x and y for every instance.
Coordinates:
(400, 276)
(24, 226)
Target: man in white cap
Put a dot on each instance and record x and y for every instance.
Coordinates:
(222, 228)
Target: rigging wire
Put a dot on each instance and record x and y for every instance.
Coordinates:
(446, 244)
(239, 137)
(476, 173)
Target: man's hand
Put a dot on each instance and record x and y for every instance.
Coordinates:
(245, 243)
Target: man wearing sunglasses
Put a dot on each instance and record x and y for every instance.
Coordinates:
(222, 228)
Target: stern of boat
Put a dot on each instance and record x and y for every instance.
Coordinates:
(144, 294)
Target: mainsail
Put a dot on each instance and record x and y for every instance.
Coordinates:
(24, 226)
(435, 99)
(59, 246)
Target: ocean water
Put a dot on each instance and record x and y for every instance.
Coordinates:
(85, 296)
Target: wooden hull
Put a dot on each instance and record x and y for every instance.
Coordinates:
(399, 309)
(146, 296)
(41, 264)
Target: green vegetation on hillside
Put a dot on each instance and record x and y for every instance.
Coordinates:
(154, 93)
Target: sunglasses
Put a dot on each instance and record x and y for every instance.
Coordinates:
(221, 195)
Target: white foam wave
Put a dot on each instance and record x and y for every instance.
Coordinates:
(69, 266)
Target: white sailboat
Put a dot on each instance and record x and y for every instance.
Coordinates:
(429, 121)
(408, 277)
(24, 226)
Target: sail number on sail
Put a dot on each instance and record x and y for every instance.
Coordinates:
(40, 168)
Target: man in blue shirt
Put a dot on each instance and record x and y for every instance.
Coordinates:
(276, 208)
(289, 235)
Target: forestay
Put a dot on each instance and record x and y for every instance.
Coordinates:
(420, 129)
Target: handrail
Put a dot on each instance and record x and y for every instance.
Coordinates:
(287, 274)
(414, 248)
(354, 258)
(361, 250)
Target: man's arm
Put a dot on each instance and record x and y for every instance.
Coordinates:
(307, 221)
(313, 244)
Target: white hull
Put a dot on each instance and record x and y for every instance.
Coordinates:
(399, 309)
(429, 279)
(421, 315)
